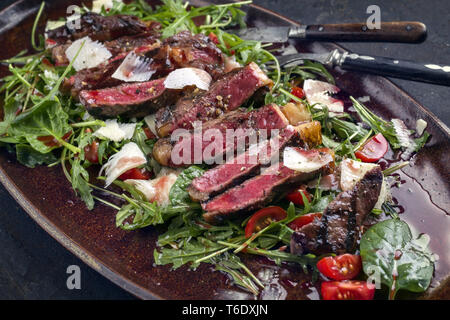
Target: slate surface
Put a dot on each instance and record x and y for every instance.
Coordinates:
(33, 265)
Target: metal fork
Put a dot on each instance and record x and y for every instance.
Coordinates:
(405, 69)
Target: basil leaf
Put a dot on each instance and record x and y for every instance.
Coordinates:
(178, 194)
(402, 262)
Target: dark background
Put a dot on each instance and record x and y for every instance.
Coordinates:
(33, 265)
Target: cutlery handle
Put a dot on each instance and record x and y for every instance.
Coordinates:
(400, 31)
(405, 69)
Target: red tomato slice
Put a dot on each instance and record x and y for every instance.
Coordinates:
(136, 174)
(344, 267)
(263, 218)
(91, 152)
(347, 290)
(298, 92)
(373, 150)
(296, 196)
(304, 220)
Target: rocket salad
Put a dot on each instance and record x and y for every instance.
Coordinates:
(108, 101)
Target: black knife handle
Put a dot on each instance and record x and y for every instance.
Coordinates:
(400, 31)
(424, 72)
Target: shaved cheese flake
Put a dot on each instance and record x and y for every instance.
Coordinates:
(156, 190)
(231, 63)
(91, 55)
(184, 77)
(150, 120)
(385, 194)
(353, 171)
(134, 68)
(421, 125)
(129, 157)
(116, 131)
(107, 4)
(305, 160)
(319, 93)
(404, 138)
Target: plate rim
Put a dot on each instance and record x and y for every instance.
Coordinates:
(83, 253)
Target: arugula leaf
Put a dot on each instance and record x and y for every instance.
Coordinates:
(178, 194)
(80, 178)
(403, 262)
(29, 157)
(49, 120)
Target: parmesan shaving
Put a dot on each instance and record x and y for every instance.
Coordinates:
(129, 157)
(184, 77)
(115, 131)
(92, 54)
(134, 68)
(305, 161)
(318, 94)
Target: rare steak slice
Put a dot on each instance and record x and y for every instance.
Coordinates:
(116, 47)
(130, 99)
(339, 229)
(226, 94)
(220, 138)
(274, 183)
(239, 168)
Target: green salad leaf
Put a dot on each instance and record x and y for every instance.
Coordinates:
(178, 194)
(402, 262)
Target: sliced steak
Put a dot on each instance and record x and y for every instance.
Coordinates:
(131, 100)
(101, 28)
(180, 51)
(201, 147)
(116, 47)
(247, 164)
(338, 231)
(274, 183)
(101, 76)
(185, 50)
(226, 94)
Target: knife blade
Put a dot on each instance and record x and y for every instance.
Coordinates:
(400, 31)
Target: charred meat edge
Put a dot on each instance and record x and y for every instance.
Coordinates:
(338, 231)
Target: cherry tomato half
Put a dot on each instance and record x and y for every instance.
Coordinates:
(91, 152)
(51, 141)
(212, 36)
(347, 290)
(373, 150)
(344, 267)
(296, 196)
(304, 220)
(136, 174)
(263, 218)
(298, 92)
(149, 134)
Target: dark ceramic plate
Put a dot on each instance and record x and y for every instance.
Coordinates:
(126, 258)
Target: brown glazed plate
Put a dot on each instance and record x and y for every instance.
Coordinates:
(126, 258)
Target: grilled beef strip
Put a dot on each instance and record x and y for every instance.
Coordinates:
(248, 163)
(226, 94)
(255, 193)
(117, 47)
(129, 99)
(100, 77)
(185, 50)
(246, 125)
(338, 231)
(101, 28)
(180, 51)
